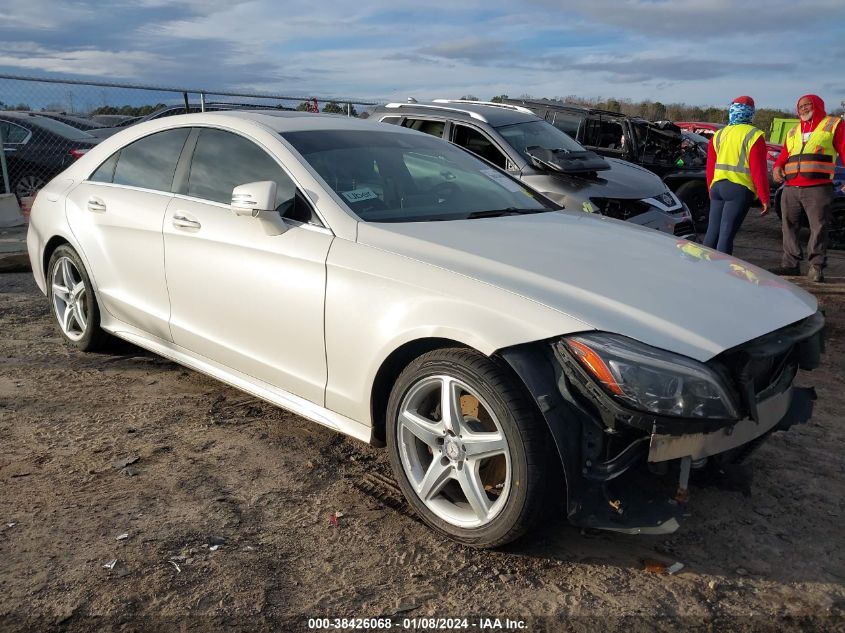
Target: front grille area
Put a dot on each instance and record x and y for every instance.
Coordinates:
(684, 228)
(767, 365)
(620, 209)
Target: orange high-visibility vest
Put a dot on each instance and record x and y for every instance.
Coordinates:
(815, 159)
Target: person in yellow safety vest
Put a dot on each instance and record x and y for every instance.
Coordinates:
(736, 174)
(806, 163)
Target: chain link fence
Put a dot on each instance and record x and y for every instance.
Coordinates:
(46, 124)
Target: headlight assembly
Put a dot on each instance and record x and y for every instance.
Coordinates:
(649, 379)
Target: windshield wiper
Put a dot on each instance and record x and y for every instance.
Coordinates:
(495, 213)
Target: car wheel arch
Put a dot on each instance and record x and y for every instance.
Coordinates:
(389, 371)
(517, 361)
(49, 248)
(55, 242)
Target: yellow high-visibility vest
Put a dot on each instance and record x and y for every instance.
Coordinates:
(733, 149)
(815, 159)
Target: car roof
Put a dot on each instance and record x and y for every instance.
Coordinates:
(282, 120)
(557, 105)
(31, 118)
(495, 114)
(19, 114)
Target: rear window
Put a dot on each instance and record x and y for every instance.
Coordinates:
(149, 162)
(62, 129)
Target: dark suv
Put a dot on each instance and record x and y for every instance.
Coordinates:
(659, 147)
(514, 139)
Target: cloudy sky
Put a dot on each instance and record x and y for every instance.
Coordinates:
(694, 51)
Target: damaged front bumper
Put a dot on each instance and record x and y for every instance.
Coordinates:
(617, 461)
(778, 413)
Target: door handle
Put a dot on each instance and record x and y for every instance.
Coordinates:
(184, 222)
(95, 205)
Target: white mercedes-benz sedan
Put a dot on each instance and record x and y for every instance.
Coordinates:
(399, 289)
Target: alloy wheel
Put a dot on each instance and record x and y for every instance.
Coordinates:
(28, 186)
(70, 300)
(453, 451)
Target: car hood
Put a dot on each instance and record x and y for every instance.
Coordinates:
(664, 291)
(623, 180)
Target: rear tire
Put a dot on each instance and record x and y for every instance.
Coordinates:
(73, 302)
(478, 474)
(695, 195)
(28, 185)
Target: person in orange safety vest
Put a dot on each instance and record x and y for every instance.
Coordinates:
(807, 164)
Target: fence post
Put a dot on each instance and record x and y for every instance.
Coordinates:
(202, 102)
(3, 161)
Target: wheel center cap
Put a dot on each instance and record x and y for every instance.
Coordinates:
(452, 449)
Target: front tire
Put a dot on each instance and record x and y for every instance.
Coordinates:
(468, 447)
(72, 300)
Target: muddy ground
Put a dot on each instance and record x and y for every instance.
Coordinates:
(227, 500)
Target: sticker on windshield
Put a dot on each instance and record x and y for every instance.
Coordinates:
(501, 179)
(357, 195)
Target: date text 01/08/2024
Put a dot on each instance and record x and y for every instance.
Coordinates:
(416, 624)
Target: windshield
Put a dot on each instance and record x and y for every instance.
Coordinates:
(401, 177)
(696, 138)
(654, 145)
(62, 129)
(521, 136)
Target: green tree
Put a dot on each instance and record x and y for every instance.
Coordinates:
(332, 107)
(499, 98)
(305, 106)
(469, 98)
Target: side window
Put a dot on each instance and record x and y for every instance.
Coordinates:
(223, 160)
(612, 136)
(435, 128)
(105, 172)
(565, 122)
(592, 132)
(477, 143)
(13, 133)
(151, 161)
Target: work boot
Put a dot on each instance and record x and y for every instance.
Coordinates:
(815, 274)
(786, 271)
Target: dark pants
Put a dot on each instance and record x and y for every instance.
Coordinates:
(815, 202)
(729, 203)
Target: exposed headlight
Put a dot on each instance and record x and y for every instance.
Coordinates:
(650, 379)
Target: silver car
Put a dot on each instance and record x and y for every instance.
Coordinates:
(548, 160)
(395, 288)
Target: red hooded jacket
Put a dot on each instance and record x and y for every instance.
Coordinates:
(808, 126)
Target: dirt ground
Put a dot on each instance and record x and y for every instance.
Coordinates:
(226, 504)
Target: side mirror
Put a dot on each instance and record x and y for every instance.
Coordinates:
(253, 197)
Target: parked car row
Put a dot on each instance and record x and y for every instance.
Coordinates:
(450, 300)
(39, 145)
